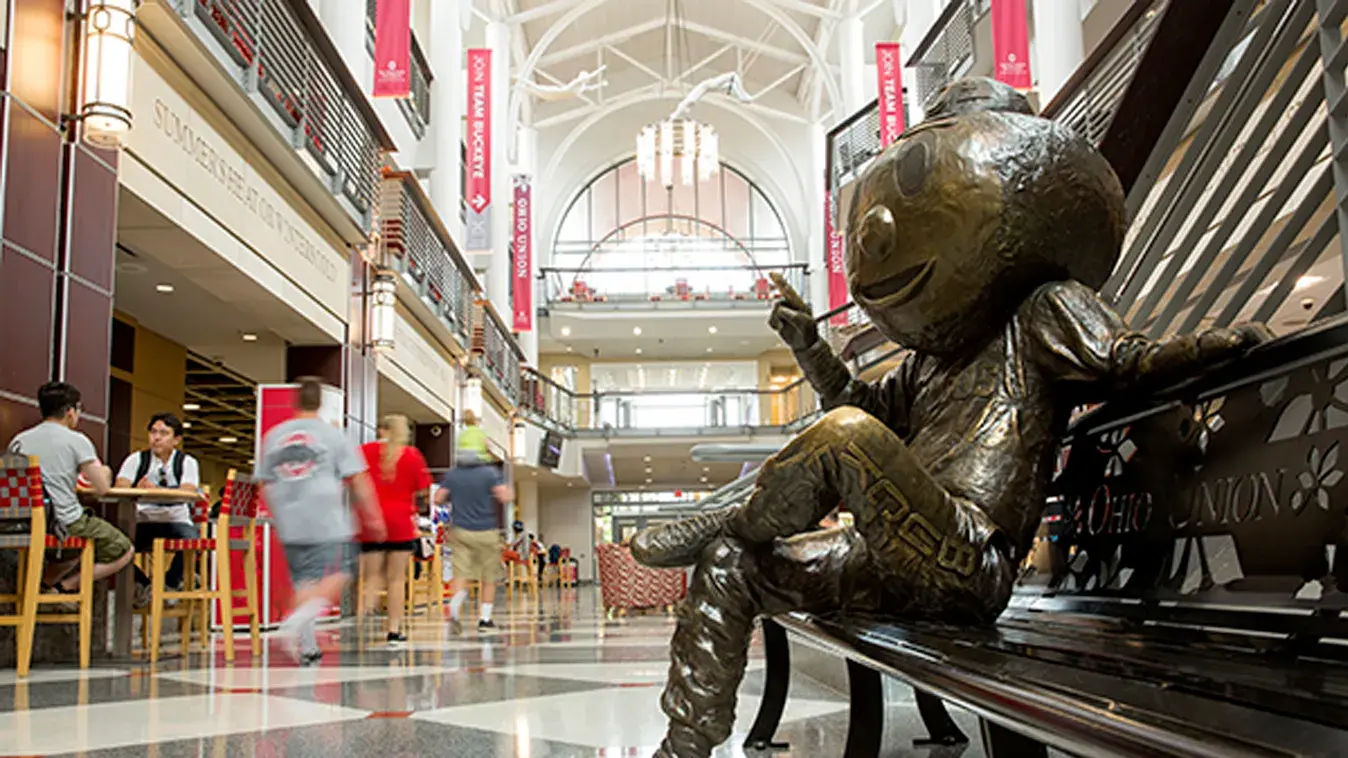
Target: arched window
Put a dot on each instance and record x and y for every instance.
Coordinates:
(626, 238)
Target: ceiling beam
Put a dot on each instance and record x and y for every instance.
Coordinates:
(744, 43)
(608, 40)
(809, 84)
(573, 114)
(809, 9)
(542, 11)
(642, 67)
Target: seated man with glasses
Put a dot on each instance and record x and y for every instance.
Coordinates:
(63, 455)
(162, 466)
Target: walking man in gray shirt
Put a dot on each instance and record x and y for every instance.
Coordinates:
(305, 467)
(476, 495)
(62, 455)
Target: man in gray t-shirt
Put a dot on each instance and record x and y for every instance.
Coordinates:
(62, 455)
(306, 465)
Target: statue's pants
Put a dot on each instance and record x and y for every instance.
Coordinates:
(915, 552)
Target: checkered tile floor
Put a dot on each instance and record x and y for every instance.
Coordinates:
(559, 679)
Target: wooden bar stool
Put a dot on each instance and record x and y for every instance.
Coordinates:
(239, 506)
(430, 588)
(21, 501)
(193, 601)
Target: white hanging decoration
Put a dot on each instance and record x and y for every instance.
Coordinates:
(585, 81)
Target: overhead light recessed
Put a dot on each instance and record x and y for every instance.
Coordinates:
(636, 330)
(187, 424)
(704, 480)
(706, 469)
(191, 407)
(648, 480)
(638, 351)
(249, 337)
(568, 348)
(647, 459)
(709, 350)
(648, 469)
(163, 288)
(566, 331)
(228, 440)
(711, 330)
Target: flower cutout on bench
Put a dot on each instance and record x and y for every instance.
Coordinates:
(1316, 482)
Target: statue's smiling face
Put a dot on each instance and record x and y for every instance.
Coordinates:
(957, 222)
(919, 251)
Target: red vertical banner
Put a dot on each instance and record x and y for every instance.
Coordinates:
(1011, 44)
(522, 267)
(393, 48)
(889, 71)
(478, 189)
(837, 273)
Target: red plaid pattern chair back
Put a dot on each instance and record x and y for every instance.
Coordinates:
(201, 510)
(20, 486)
(242, 497)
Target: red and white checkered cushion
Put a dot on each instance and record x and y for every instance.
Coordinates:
(199, 544)
(69, 543)
(628, 584)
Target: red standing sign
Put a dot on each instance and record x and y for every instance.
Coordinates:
(1011, 44)
(889, 71)
(393, 48)
(478, 190)
(837, 274)
(522, 267)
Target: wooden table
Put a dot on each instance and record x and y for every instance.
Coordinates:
(122, 502)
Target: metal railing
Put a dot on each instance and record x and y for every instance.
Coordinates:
(413, 242)
(948, 50)
(416, 107)
(1089, 100)
(498, 355)
(281, 57)
(719, 284)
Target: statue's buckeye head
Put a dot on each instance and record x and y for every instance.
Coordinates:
(969, 212)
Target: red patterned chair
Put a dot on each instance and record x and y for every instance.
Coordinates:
(627, 584)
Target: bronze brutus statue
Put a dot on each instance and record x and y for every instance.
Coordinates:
(977, 241)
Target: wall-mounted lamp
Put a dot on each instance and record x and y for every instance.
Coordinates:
(105, 104)
(472, 395)
(383, 295)
(518, 441)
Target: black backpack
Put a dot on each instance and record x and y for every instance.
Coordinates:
(144, 467)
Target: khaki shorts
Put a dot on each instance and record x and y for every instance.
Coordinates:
(110, 543)
(477, 556)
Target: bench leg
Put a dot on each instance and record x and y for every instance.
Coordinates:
(778, 681)
(941, 729)
(1000, 742)
(866, 723)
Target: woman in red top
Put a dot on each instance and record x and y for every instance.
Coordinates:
(399, 473)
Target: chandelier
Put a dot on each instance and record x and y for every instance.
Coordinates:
(689, 143)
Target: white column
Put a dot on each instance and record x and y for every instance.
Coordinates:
(526, 503)
(345, 23)
(447, 104)
(852, 51)
(1059, 48)
(498, 267)
(817, 256)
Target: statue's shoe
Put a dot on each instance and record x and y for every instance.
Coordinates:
(682, 542)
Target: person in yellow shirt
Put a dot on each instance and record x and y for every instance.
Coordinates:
(471, 437)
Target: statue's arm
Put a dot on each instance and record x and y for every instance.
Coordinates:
(886, 399)
(1087, 342)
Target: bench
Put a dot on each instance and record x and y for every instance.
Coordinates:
(1184, 596)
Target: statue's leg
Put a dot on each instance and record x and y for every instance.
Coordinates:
(734, 583)
(932, 549)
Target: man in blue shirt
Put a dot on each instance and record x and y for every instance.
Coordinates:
(477, 495)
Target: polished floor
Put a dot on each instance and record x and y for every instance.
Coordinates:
(558, 679)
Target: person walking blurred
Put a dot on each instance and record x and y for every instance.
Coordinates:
(477, 496)
(399, 473)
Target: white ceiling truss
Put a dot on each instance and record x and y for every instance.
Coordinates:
(780, 48)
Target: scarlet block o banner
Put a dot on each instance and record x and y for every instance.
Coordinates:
(522, 266)
(1011, 44)
(889, 70)
(477, 188)
(393, 48)
(837, 275)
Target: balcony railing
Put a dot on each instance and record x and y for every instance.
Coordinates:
(284, 56)
(948, 50)
(414, 242)
(1088, 102)
(711, 286)
(417, 107)
(496, 352)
